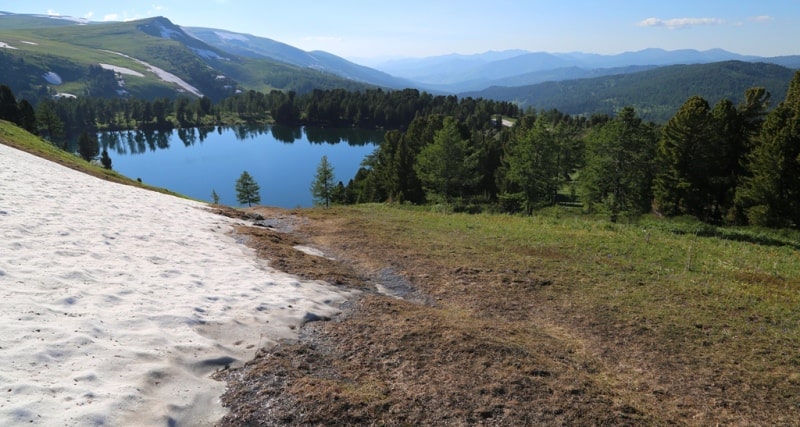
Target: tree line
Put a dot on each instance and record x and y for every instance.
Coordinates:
(58, 119)
(726, 164)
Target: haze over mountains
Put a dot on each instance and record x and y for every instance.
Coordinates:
(220, 62)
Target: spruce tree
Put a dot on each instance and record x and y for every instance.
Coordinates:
(247, 190)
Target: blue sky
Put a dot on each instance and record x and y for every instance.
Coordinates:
(417, 28)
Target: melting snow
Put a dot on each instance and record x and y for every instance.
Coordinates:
(81, 21)
(27, 42)
(52, 78)
(121, 70)
(168, 33)
(164, 75)
(7, 46)
(231, 36)
(205, 53)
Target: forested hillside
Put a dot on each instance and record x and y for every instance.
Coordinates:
(655, 94)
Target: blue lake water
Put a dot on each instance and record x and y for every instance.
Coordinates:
(282, 160)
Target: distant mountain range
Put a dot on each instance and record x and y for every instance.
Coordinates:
(656, 94)
(250, 46)
(460, 73)
(41, 55)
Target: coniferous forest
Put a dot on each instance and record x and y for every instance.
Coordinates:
(723, 164)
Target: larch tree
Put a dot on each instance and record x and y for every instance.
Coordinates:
(532, 163)
(323, 187)
(247, 190)
(448, 166)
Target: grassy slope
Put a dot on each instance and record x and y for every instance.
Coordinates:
(556, 319)
(88, 44)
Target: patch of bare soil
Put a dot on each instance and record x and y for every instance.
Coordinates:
(439, 350)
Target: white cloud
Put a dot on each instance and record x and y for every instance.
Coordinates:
(761, 19)
(111, 17)
(51, 12)
(88, 15)
(676, 23)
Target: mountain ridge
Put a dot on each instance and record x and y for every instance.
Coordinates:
(42, 55)
(141, 53)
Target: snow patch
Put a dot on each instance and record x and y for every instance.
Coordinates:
(164, 75)
(6, 46)
(31, 43)
(207, 54)
(52, 78)
(81, 21)
(119, 303)
(121, 70)
(231, 36)
(311, 251)
(168, 33)
(65, 95)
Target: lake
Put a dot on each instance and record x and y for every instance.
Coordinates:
(282, 160)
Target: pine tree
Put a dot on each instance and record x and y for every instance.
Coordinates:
(88, 147)
(27, 116)
(247, 190)
(770, 195)
(105, 160)
(48, 124)
(8, 105)
(619, 165)
(681, 186)
(323, 187)
(214, 196)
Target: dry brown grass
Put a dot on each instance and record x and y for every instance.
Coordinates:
(511, 330)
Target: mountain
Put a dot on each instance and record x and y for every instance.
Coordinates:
(149, 58)
(460, 73)
(43, 55)
(250, 46)
(9, 20)
(656, 94)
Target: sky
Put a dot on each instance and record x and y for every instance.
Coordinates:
(373, 30)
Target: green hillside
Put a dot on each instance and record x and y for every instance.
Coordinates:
(155, 58)
(655, 94)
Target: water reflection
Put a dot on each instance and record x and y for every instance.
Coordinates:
(139, 141)
(197, 161)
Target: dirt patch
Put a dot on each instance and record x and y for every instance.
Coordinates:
(438, 350)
